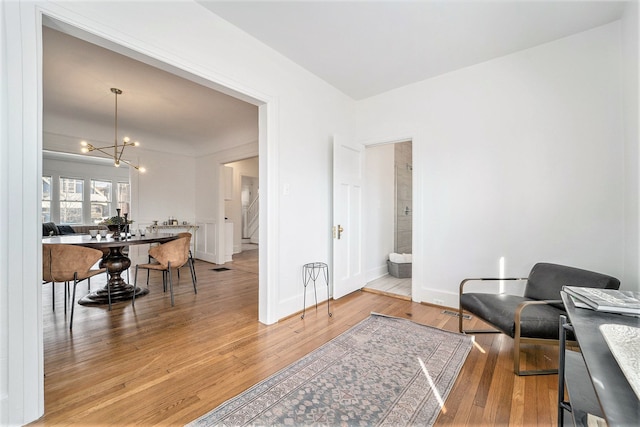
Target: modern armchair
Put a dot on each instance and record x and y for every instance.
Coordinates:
(534, 317)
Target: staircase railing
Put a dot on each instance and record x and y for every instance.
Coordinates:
(251, 219)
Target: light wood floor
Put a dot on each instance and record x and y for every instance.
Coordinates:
(392, 286)
(158, 365)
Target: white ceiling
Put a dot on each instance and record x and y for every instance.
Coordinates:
(163, 111)
(361, 47)
(368, 47)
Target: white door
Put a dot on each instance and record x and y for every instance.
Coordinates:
(348, 169)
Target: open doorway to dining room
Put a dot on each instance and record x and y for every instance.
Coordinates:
(185, 172)
(157, 193)
(389, 200)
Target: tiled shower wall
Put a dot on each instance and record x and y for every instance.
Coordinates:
(404, 206)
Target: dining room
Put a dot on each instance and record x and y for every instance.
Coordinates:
(184, 133)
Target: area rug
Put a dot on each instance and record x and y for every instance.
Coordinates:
(382, 371)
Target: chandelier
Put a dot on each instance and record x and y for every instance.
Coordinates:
(118, 149)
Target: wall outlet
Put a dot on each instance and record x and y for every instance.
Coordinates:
(438, 302)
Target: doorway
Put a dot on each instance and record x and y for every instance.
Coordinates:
(242, 205)
(389, 170)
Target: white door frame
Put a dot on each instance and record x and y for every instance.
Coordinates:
(417, 225)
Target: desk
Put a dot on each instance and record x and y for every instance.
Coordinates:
(613, 394)
(114, 261)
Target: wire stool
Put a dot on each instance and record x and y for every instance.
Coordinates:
(311, 273)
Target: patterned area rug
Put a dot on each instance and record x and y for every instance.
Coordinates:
(382, 371)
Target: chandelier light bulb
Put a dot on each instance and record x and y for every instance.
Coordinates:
(126, 139)
(84, 150)
(135, 144)
(83, 143)
(142, 169)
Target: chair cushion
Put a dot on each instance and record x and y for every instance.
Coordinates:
(48, 227)
(66, 229)
(538, 321)
(546, 280)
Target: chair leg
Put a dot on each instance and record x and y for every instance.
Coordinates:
(193, 264)
(53, 295)
(170, 282)
(73, 304)
(193, 276)
(108, 292)
(66, 296)
(135, 284)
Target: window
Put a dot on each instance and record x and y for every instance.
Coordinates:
(100, 200)
(87, 198)
(71, 198)
(124, 197)
(46, 199)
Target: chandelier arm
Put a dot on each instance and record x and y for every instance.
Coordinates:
(104, 152)
(121, 151)
(121, 160)
(91, 148)
(118, 149)
(129, 163)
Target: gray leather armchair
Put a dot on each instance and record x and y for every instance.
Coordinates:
(534, 317)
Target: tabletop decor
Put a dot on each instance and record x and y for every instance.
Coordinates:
(384, 370)
(117, 224)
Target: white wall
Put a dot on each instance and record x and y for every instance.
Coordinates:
(167, 188)
(298, 115)
(631, 88)
(520, 157)
(379, 208)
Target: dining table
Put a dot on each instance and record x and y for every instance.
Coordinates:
(115, 260)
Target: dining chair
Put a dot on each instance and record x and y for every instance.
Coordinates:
(64, 263)
(167, 256)
(191, 260)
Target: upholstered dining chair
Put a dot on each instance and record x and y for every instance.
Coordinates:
(64, 263)
(170, 255)
(191, 260)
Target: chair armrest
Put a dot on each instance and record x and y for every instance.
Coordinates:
(493, 279)
(518, 339)
(523, 305)
(461, 310)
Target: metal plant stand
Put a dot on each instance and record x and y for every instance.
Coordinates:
(310, 273)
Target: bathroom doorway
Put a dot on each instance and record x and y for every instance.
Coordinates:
(389, 199)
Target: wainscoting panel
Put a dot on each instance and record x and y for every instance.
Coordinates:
(206, 242)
